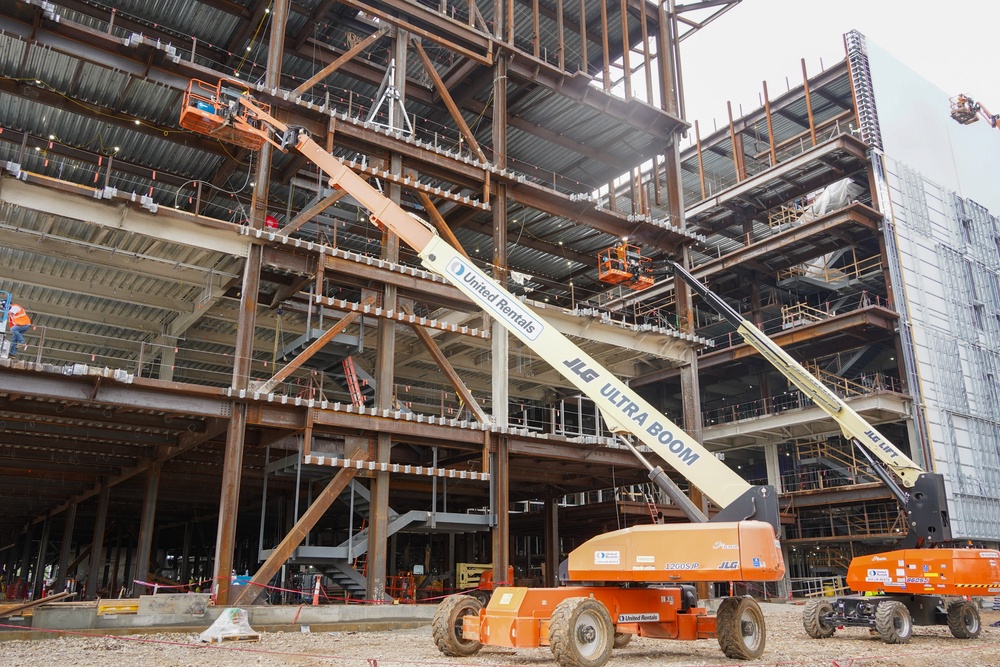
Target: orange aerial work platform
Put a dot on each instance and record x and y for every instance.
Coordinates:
(624, 265)
(216, 111)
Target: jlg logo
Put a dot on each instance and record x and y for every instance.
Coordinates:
(580, 368)
(729, 565)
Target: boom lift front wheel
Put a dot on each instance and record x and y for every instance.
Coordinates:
(815, 619)
(739, 626)
(446, 626)
(893, 622)
(963, 619)
(581, 633)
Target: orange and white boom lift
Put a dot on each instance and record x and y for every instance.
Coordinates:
(920, 584)
(633, 581)
(966, 111)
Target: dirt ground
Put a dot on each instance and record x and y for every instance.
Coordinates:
(787, 644)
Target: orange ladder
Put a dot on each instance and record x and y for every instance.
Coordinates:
(651, 506)
(357, 398)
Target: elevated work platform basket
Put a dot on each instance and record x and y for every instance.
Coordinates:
(215, 111)
(624, 265)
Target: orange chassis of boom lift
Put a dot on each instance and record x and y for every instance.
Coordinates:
(645, 576)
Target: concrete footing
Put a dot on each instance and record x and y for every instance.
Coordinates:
(190, 615)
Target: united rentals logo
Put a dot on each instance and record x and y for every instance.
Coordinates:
(492, 297)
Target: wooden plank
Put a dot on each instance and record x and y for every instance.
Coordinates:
(17, 609)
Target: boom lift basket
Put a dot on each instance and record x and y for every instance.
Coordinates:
(624, 265)
(215, 111)
(964, 110)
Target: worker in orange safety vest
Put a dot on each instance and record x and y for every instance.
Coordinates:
(19, 323)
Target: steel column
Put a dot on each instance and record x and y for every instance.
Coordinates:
(770, 126)
(97, 545)
(140, 568)
(500, 342)
(736, 140)
(552, 551)
(185, 569)
(378, 526)
(64, 548)
(809, 106)
(25, 562)
(38, 582)
(233, 463)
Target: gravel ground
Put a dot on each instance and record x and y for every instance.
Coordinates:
(787, 644)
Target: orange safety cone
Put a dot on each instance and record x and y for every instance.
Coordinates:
(316, 592)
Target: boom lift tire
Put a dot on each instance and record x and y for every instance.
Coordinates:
(963, 619)
(622, 639)
(893, 622)
(446, 626)
(581, 633)
(739, 626)
(814, 619)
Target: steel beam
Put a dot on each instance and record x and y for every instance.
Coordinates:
(313, 348)
(442, 361)
(77, 203)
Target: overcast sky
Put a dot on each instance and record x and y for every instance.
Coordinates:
(951, 44)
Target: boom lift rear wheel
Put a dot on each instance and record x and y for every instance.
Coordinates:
(581, 633)
(814, 619)
(622, 639)
(963, 619)
(893, 622)
(446, 626)
(739, 626)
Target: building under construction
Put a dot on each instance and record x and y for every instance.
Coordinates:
(232, 370)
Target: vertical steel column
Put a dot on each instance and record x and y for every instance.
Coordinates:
(552, 552)
(233, 464)
(112, 569)
(770, 126)
(167, 359)
(771, 460)
(378, 527)
(736, 139)
(185, 570)
(690, 392)
(25, 563)
(605, 48)
(669, 55)
(535, 31)
(626, 49)
(64, 547)
(646, 64)
(560, 34)
(140, 568)
(500, 341)
(809, 106)
(43, 546)
(701, 163)
(97, 545)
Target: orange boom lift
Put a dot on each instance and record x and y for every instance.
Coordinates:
(634, 581)
(920, 584)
